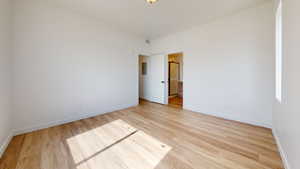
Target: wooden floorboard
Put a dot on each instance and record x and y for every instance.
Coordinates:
(176, 101)
(148, 136)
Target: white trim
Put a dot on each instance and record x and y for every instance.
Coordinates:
(281, 151)
(5, 144)
(166, 78)
(67, 120)
(172, 96)
(54, 123)
(228, 117)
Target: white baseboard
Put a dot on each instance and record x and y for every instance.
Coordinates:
(229, 117)
(67, 120)
(5, 144)
(172, 96)
(55, 123)
(281, 151)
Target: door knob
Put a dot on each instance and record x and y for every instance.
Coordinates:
(162, 81)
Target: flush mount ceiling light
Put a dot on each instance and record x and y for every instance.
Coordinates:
(151, 1)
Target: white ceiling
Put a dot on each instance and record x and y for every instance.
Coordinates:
(161, 18)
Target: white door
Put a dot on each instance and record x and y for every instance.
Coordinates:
(156, 78)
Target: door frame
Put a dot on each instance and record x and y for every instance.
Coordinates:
(180, 67)
(166, 78)
(166, 75)
(166, 60)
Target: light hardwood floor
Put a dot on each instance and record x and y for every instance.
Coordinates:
(176, 101)
(149, 136)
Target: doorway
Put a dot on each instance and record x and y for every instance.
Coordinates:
(153, 78)
(175, 79)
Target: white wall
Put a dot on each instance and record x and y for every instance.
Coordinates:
(228, 65)
(5, 73)
(287, 113)
(68, 66)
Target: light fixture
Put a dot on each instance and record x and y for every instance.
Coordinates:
(151, 1)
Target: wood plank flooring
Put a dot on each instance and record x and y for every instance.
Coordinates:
(176, 101)
(148, 136)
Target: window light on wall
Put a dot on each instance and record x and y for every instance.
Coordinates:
(279, 52)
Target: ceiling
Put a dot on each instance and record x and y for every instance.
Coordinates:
(159, 19)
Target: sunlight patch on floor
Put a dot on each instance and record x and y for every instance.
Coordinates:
(116, 145)
(89, 143)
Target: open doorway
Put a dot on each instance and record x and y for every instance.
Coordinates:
(143, 76)
(161, 78)
(153, 78)
(175, 79)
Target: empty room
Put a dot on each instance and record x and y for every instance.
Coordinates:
(149, 84)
